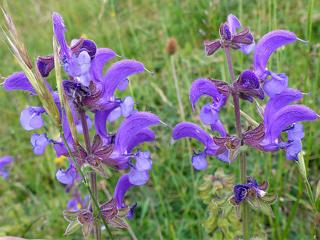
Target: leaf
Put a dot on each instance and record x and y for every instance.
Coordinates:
(72, 227)
(318, 191)
(302, 166)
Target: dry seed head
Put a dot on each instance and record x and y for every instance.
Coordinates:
(172, 46)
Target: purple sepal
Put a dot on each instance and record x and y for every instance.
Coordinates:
(39, 143)
(211, 47)
(30, 118)
(45, 65)
(86, 45)
(234, 24)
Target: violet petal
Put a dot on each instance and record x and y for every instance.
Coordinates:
(287, 116)
(103, 55)
(18, 81)
(118, 72)
(200, 87)
(279, 101)
(268, 44)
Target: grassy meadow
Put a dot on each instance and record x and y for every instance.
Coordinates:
(169, 207)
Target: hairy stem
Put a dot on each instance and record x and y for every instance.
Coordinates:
(84, 179)
(243, 164)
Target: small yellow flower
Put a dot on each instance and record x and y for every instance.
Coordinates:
(79, 206)
(60, 160)
(83, 35)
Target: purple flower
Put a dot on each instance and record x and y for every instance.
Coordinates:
(191, 130)
(248, 86)
(77, 202)
(251, 189)
(31, 119)
(4, 162)
(39, 143)
(132, 132)
(229, 37)
(281, 117)
(209, 113)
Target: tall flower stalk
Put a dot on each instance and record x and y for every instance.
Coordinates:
(279, 130)
(242, 157)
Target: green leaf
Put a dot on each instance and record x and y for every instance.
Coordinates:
(302, 166)
(318, 191)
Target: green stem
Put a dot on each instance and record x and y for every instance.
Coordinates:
(243, 164)
(75, 162)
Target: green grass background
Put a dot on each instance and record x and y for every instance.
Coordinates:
(31, 201)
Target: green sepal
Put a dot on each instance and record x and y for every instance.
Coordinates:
(258, 204)
(72, 227)
(70, 215)
(269, 198)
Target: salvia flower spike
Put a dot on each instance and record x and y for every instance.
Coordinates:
(87, 90)
(280, 128)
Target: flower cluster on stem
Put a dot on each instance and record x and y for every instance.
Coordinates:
(280, 128)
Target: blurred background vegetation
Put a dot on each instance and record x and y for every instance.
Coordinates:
(169, 207)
